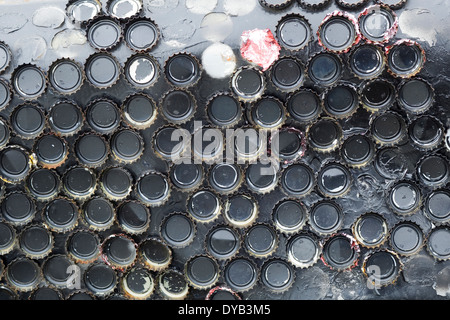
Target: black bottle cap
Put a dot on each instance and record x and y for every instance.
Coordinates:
(437, 206)
(29, 81)
(103, 33)
(326, 217)
(182, 69)
(276, 4)
(334, 180)
(404, 197)
(406, 238)
(23, 274)
(83, 10)
(204, 206)
(116, 183)
(390, 163)
(61, 215)
(186, 176)
(178, 230)
(388, 128)
(382, 267)
(393, 4)
(221, 292)
(27, 120)
(124, 9)
(139, 110)
(293, 32)
(248, 83)
(5, 56)
(426, 132)
(202, 271)
(222, 242)
(119, 251)
(415, 95)
(138, 284)
(127, 146)
(166, 147)
(378, 24)
(57, 270)
(289, 216)
(99, 213)
(261, 240)
(241, 210)
(6, 293)
(83, 246)
(288, 144)
(103, 115)
(173, 284)
(303, 250)
(313, 5)
(36, 242)
(298, 180)
(66, 76)
(224, 110)
(79, 182)
(7, 238)
(261, 178)
(340, 252)
(141, 70)
(18, 208)
(133, 217)
(141, 34)
(91, 150)
(46, 293)
(433, 171)
(5, 133)
(153, 189)
(240, 274)
(100, 279)
(304, 105)
(248, 143)
(377, 95)
(43, 184)
(102, 70)
(65, 118)
(438, 243)
(367, 61)
(341, 101)
(405, 58)
(15, 164)
(267, 113)
(277, 275)
(325, 68)
(224, 177)
(51, 151)
(351, 4)
(287, 74)
(370, 230)
(325, 135)
(201, 150)
(5, 93)
(178, 106)
(358, 150)
(155, 254)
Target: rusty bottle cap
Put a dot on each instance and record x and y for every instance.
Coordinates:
(23, 274)
(340, 252)
(382, 267)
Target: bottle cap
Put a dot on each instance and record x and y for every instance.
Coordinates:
(153, 189)
(223, 242)
(407, 238)
(438, 243)
(276, 4)
(204, 206)
(186, 176)
(79, 182)
(5, 93)
(100, 279)
(377, 95)
(293, 32)
(36, 242)
(338, 32)
(325, 135)
(81, 295)
(405, 58)
(437, 206)
(341, 100)
(334, 180)
(98, 213)
(155, 254)
(182, 69)
(138, 284)
(240, 274)
(43, 184)
(340, 252)
(102, 70)
(297, 180)
(66, 76)
(426, 132)
(18, 209)
(326, 217)
(287, 74)
(141, 34)
(141, 70)
(168, 144)
(116, 183)
(5, 133)
(127, 146)
(83, 10)
(378, 24)
(221, 292)
(225, 178)
(61, 215)
(46, 293)
(325, 68)
(303, 250)
(55, 269)
(404, 197)
(351, 4)
(288, 144)
(5, 56)
(415, 95)
(382, 267)
(173, 285)
(370, 230)
(83, 246)
(433, 171)
(65, 118)
(133, 217)
(313, 5)
(248, 83)
(393, 4)
(178, 106)
(178, 230)
(6, 293)
(388, 128)
(267, 113)
(207, 145)
(277, 275)
(104, 33)
(27, 120)
(51, 151)
(367, 61)
(91, 150)
(103, 115)
(139, 110)
(248, 143)
(261, 240)
(23, 274)
(224, 110)
(202, 271)
(15, 164)
(304, 105)
(241, 210)
(289, 216)
(118, 251)
(261, 178)
(7, 238)
(358, 151)
(390, 163)
(124, 9)
(29, 81)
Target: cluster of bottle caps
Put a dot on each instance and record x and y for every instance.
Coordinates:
(73, 200)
